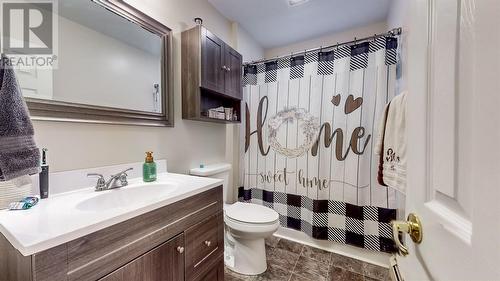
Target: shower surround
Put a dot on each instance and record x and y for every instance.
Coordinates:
(310, 124)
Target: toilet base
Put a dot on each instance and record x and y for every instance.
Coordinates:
(249, 256)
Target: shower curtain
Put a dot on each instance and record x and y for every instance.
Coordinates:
(310, 124)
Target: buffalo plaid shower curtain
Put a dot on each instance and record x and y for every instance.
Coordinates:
(309, 130)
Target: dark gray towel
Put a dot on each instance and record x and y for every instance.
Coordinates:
(19, 155)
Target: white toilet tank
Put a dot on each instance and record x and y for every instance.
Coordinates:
(218, 171)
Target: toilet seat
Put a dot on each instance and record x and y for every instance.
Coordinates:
(250, 230)
(248, 213)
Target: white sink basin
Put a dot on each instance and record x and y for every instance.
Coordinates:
(66, 216)
(126, 196)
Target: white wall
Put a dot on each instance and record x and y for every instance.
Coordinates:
(94, 68)
(76, 145)
(250, 50)
(328, 40)
(246, 44)
(398, 17)
(398, 13)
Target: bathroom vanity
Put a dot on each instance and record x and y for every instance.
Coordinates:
(168, 230)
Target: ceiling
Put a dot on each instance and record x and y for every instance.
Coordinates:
(275, 23)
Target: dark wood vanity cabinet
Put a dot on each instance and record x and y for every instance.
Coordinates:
(211, 75)
(180, 241)
(165, 263)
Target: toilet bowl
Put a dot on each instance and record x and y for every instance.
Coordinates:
(246, 227)
(249, 224)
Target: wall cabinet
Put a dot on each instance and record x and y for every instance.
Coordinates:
(211, 75)
(233, 75)
(180, 241)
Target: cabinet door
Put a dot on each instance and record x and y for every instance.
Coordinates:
(233, 62)
(163, 263)
(212, 61)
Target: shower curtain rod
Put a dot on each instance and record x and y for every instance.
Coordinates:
(393, 32)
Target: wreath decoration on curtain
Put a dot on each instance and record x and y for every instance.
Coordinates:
(308, 124)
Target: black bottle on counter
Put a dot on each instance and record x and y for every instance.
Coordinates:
(44, 176)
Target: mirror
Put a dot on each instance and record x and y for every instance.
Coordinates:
(113, 66)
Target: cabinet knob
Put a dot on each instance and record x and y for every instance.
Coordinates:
(180, 249)
(228, 69)
(208, 243)
(224, 67)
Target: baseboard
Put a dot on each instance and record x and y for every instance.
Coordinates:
(377, 258)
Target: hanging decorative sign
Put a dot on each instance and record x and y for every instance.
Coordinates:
(308, 124)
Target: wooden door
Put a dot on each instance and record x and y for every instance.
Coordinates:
(212, 61)
(232, 83)
(453, 135)
(163, 263)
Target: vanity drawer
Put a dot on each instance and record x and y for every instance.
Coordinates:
(165, 263)
(216, 273)
(204, 245)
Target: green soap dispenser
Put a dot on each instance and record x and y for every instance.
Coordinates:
(149, 168)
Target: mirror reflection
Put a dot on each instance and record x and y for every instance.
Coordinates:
(103, 60)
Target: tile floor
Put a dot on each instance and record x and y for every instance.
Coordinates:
(290, 261)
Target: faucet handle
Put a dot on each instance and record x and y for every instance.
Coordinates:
(124, 172)
(129, 169)
(122, 176)
(101, 182)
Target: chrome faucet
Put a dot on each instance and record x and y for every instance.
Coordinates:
(116, 180)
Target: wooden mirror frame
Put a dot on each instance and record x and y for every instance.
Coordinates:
(75, 112)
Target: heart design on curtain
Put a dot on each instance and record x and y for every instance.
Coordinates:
(352, 104)
(336, 100)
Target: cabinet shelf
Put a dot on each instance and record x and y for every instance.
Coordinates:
(211, 76)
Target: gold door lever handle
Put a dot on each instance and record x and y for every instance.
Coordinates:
(411, 226)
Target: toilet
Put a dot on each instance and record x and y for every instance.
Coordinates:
(246, 226)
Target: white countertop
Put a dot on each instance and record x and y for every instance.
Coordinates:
(67, 216)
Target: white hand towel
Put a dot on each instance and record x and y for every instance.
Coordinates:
(391, 145)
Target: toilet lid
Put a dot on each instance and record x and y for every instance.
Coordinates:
(251, 213)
